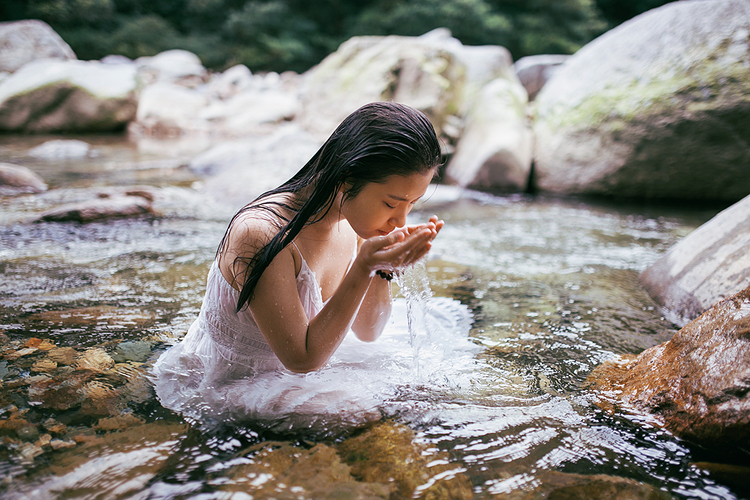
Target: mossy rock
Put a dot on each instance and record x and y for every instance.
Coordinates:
(658, 107)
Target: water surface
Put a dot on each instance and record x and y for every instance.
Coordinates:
(552, 285)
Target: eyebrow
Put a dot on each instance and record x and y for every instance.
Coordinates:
(397, 198)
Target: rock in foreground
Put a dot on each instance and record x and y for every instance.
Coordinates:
(710, 264)
(697, 384)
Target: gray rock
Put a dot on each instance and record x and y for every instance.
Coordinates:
(231, 82)
(51, 95)
(166, 109)
(15, 179)
(708, 265)
(137, 351)
(24, 41)
(494, 151)
(534, 71)
(434, 73)
(179, 66)
(59, 149)
(655, 108)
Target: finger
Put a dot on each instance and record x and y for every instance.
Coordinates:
(407, 246)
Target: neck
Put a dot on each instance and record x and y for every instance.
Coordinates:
(322, 229)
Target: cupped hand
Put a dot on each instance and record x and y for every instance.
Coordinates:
(400, 248)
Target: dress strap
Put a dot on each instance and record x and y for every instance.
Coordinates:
(301, 258)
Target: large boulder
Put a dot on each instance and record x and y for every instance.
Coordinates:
(434, 73)
(658, 107)
(708, 265)
(495, 148)
(24, 41)
(697, 384)
(51, 95)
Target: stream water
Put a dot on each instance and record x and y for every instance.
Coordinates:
(552, 286)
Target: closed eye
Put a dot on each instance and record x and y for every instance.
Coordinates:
(387, 205)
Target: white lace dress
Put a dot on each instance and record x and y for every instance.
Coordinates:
(225, 370)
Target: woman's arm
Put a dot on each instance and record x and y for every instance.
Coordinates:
(305, 345)
(375, 310)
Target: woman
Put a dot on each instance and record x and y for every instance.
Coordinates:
(306, 262)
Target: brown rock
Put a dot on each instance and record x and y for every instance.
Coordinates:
(314, 473)
(44, 365)
(698, 383)
(119, 422)
(386, 453)
(62, 355)
(99, 209)
(14, 355)
(562, 486)
(62, 392)
(55, 427)
(94, 359)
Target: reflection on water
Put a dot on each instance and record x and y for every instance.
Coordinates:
(552, 285)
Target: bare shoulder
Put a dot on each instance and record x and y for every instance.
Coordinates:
(250, 231)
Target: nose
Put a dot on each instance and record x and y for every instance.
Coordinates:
(399, 218)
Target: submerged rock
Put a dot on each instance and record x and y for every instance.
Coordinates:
(655, 108)
(697, 384)
(15, 179)
(29, 40)
(387, 453)
(560, 485)
(276, 469)
(708, 265)
(100, 209)
(94, 359)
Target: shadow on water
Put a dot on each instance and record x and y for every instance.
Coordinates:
(552, 285)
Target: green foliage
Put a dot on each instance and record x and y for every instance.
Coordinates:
(619, 11)
(471, 21)
(296, 34)
(144, 36)
(269, 35)
(69, 13)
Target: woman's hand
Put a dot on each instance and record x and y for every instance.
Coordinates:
(401, 248)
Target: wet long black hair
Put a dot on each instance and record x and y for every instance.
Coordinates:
(375, 142)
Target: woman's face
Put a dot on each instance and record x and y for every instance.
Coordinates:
(379, 208)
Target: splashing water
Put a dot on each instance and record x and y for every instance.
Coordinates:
(415, 287)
